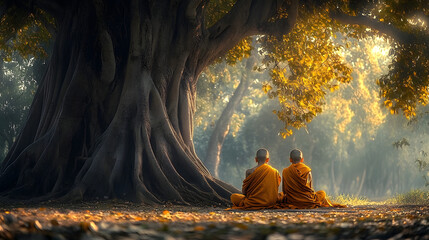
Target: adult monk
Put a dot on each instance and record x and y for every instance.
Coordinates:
(260, 187)
(298, 186)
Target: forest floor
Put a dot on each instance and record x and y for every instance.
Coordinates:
(121, 220)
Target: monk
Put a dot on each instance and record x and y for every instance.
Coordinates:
(298, 186)
(260, 187)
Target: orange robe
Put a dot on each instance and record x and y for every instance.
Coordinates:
(261, 189)
(297, 192)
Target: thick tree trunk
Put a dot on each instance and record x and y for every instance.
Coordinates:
(221, 128)
(113, 116)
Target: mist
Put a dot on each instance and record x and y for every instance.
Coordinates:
(355, 146)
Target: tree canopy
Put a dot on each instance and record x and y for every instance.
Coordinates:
(116, 104)
(304, 64)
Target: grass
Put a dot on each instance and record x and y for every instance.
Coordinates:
(352, 200)
(413, 197)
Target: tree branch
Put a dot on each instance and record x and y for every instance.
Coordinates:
(108, 63)
(191, 8)
(385, 28)
(54, 8)
(23, 8)
(247, 18)
(13, 19)
(3, 8)
(282, 26)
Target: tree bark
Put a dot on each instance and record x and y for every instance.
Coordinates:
(112, 117)
(221, 128)
(399, 35)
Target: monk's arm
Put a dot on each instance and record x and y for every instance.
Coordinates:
(283, 182)
(310, 180)
(248, 172)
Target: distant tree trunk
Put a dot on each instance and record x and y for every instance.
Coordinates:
(5, 141)
(1, 67)
(113, 116)
(362, 180)
(310, 150)
(333, 179)
(221, 128)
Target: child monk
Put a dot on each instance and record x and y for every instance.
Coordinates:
(298, 186)
(260, 187)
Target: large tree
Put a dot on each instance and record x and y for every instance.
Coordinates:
(112, 117)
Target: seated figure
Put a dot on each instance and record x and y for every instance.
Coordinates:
(260, 187)
(298, 186)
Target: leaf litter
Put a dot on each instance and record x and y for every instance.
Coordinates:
(122, 220)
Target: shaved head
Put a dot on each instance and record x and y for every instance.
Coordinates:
(296, 155)
(262, 154)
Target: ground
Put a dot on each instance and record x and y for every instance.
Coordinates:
(122, 220)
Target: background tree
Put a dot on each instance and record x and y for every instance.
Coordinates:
(348, 146)
(413, 143)
(22, 63)
(222, 125)
(113, 115)
(18, 86)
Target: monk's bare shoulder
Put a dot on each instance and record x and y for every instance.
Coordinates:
(250, 171)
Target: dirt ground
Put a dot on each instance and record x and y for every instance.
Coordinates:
(122, 220)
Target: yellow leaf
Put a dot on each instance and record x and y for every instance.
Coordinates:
(199, 228)
(165, 212)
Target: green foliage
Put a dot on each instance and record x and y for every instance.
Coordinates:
(401, 143)
(215, 10)
(305, 64)
(418, 145)
(24, 43)
(18, 86)
(406, 84)
(423, 166)
(215, 87)
(413, 197)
